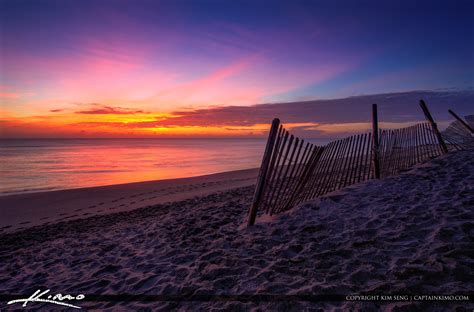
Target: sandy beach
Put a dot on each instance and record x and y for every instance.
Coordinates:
(407, 234)
(18, 212)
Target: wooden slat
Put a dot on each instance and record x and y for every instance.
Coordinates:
(277, 170)
(330, 152)
(349, 162)
(336, 173)
(263, 172)
(362, 163)
(375, 142)
(419, 149)
(276, 153)
(328, 173)
(287, 176)
(275, 194)
(294, 175)
(298, 196)
(368, 148)
(320, 171)
(398, 151)
(356, 166)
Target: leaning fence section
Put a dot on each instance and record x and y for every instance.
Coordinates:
(400, 149)
(294, 170)
(284, 169)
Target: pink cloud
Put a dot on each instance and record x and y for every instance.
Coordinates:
(147, 76)
(9, 95)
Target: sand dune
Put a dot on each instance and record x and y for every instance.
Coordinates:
(409, 234)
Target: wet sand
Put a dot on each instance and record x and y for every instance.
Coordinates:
(18, 212)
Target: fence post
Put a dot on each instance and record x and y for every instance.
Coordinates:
(428, 116)
(262, 175)
(461, 121)
(375, 142)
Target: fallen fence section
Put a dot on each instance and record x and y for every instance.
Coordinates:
(459, 134)
(294, 170)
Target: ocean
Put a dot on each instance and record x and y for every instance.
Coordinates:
(39, 165)
(54, 164)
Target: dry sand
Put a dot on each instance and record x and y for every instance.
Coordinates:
(407, 234)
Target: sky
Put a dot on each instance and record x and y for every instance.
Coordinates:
(150, 68)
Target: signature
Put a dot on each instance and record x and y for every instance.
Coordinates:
(56, 299)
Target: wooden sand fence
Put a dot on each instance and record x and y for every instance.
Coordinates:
(458, 135)
(294, 171)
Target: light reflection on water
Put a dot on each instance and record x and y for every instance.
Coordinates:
(34, 165)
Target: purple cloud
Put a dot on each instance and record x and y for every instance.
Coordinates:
(393, 107)
(102, 110)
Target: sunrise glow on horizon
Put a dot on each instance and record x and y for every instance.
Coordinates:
(148, 68)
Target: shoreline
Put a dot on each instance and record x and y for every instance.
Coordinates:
(56, 189)
(25, 210)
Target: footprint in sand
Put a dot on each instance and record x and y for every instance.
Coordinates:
(26, 222)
